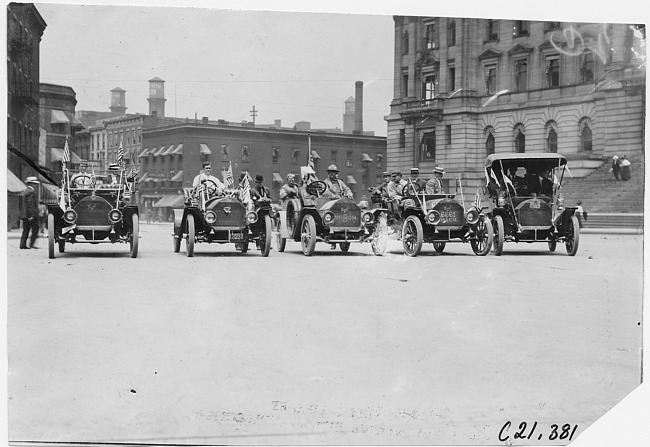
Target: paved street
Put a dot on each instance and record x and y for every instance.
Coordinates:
(224, 348)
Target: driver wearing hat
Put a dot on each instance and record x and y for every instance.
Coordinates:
(259, 191)
(206, 175)
(335, 187)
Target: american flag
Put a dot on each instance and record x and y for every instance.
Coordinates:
(66, 152)
(477, 202)
(245, 187)
(228, 180)
(120, 154)
(310, 156)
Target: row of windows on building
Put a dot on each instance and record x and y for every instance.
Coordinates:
(127, 137)
(520, 78)
(427, 140)
(520, 28)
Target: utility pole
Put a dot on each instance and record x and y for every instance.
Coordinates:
(254, 114)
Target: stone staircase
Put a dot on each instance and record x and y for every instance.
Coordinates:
(601, 194)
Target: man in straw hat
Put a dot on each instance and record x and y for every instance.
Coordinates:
(434, 186)
(29, 213)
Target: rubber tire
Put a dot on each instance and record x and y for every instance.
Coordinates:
(266, 249)
(488, 234)
(439, 247)
(281, 242)
(552, 245)
(135, 235)
(498, 235)
(61, 245)
(189, 242)
(412, 247)
(344, 246)
(572, 244)
(308, 235)
(50, 236)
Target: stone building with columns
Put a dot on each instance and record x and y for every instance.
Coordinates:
(465, 88)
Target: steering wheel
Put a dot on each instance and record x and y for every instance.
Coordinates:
(211, 186)
(77, 181)
(316, 188)
(411, 189)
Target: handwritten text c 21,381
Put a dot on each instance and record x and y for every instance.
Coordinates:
(556, 432)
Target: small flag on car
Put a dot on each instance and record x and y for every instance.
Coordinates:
(246, 190)
(477, 202)
(228, 179)
(66, 152)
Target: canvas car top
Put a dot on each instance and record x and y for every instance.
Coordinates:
(541, 160)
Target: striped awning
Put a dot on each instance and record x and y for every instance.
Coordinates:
(14, 185)
(365, 157)
(277, 177)
(205, 150)
(169, 151)
(178, 176)
(178, 150)
(351, 180)
(159, 151)
(315, 155)
(59, 117)
(144, 152)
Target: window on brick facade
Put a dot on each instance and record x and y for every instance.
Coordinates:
(585, 139)
(245, 153)
(295, 156)
(405, 42)
(225, 151)
(451, 34)
(276, 154)
(521, 76)
(405, 85)
(489, 144)
(348, 161)
(521, 28)
(402, 138)
(551, 141)
(428, 147)
(334, 157)
(587, 64)
(451, 79)
(429, 87)
(379, 161)
(520, 139)
(552, 71)
(492, 30)
(430, 36)
(491, 79)
(448, 134)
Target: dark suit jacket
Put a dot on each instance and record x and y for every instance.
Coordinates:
(535, 186)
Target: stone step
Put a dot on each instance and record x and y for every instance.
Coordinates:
(615, 220)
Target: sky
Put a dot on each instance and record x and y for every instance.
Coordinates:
(219, 59)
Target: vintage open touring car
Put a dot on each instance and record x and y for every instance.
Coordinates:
(95, 208)
(526, 203)
(313, 218)
(211, 217)
(439, 219)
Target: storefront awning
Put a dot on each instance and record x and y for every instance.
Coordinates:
(170, 201)
(178, 150)
(57, 155)
(365, 157)
(14, 185)
(351, 180)
(169, 151)
(50, 193)
(205, 150)
(59, 117)
(159, 151)
(144, 153)
(277, 177)
(178, 176)
(315, 155)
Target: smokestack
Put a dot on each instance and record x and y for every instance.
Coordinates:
(358, 107)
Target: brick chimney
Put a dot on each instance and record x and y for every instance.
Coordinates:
(358, 107)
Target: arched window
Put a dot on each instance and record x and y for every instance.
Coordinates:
(489, 140)
(520, 138)
(550, 131)
(451, 34)
(585, 138)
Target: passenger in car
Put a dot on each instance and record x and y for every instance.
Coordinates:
(434, 186)
(290, 189)
(259, 191)
(396, 185)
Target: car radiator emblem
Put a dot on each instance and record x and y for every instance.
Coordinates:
(92, 206)
(227, 209)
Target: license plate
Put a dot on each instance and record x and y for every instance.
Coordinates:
(236, 236)
(346, 219)
(534, 204)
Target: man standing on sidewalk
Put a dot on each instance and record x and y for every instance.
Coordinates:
(29, 214)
